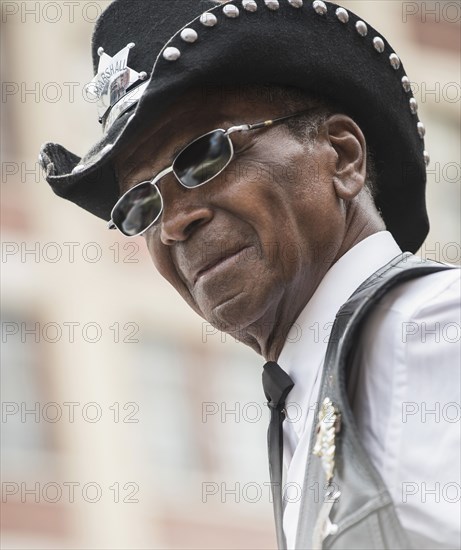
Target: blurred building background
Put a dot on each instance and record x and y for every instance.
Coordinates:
(126, 421)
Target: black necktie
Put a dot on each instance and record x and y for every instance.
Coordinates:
(277, 385)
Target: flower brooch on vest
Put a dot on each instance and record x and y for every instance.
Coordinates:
(329, 424)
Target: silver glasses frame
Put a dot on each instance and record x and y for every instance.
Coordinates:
(170, 169)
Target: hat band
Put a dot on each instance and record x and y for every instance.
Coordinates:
(123, 104)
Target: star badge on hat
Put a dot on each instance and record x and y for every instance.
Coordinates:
(113, 80)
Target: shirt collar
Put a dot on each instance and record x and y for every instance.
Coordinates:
(306, 343)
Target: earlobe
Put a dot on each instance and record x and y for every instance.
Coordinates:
(348, 141)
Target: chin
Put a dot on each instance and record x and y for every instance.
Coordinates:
(243, 315)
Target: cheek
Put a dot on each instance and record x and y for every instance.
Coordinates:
(311, 218)
(162, 261)
(156, 252)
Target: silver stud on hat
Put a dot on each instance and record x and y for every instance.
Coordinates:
(319, 7)
(231, 11)
(78, 168)
(394, 61)
(296, 3)
(100, 51)
(272, 4)
(378, 43)
(427, 158)
(95, 157)
(189, 35)
(208, 19)
(413, 106)
(171, 54)
(362, 28)
(421, 130)
(406, 83)
(249, 5)
(342, 15)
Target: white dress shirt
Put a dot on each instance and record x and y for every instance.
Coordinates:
(406, 371)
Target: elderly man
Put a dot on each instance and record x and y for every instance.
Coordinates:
(275, 164)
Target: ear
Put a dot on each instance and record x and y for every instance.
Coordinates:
(348, 141)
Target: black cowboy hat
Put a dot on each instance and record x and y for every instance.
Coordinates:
(312, 45)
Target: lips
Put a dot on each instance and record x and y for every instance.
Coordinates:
(218, 260)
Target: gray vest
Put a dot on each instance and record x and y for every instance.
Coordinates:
(358, 512)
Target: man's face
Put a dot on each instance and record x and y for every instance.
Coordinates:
(247, 249)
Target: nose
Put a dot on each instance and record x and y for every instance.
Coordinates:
(184, 211)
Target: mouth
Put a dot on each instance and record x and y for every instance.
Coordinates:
(219, 263)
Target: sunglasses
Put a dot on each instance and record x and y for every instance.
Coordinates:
(196, 164)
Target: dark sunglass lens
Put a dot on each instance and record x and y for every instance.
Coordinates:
(138, 209)
(203, 159)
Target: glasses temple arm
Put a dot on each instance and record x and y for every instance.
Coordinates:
(264, 123)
